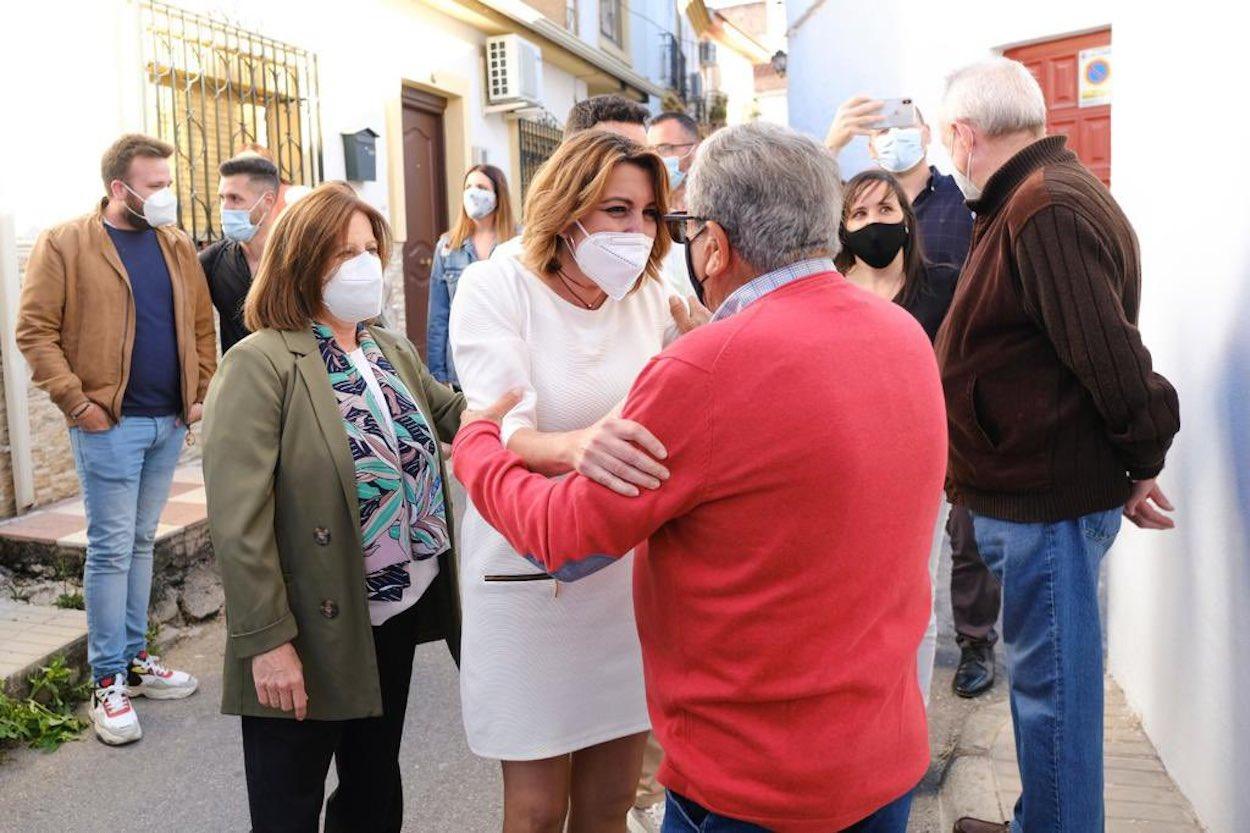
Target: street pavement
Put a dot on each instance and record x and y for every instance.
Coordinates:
(187, 772)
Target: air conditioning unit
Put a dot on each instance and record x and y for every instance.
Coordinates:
(514, 71)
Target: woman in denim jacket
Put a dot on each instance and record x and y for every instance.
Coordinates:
(485, 221)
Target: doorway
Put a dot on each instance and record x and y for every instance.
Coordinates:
(425, 203)
(1057, 65)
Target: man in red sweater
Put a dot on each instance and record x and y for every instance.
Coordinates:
(781, 586)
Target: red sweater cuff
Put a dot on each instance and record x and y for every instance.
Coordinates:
(482, 432)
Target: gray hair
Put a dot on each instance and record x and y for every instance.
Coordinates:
(999, 96)
(776, 192)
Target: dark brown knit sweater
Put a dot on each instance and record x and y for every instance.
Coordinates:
(1052, 404)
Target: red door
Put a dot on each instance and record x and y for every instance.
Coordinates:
(1056, 66)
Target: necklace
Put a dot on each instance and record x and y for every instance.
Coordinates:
(572, 288)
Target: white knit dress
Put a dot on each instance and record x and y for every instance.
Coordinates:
(544, 673)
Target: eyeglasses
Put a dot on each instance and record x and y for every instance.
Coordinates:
(673, 150)
(679, 227)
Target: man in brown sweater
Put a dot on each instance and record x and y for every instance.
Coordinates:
(1058, 425)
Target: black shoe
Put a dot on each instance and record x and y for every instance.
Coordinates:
(975, 674)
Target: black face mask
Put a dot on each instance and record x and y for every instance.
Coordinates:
(694, 278)
(876, 244)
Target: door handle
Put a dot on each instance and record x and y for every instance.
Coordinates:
(424, 262)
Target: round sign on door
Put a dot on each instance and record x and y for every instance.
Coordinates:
(1095, 77)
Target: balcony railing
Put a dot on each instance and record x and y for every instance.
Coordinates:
(673, 65)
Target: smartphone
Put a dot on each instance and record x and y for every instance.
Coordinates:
(897, 112)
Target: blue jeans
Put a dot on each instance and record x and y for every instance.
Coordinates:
(1053, 638)
(125, 472)
(680, 816)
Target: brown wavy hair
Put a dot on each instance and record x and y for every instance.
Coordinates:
(571, 184)
(505, 226)
(301, 251)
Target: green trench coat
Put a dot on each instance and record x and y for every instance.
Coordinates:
(285, 521)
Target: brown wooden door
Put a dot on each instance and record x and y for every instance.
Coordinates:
(425, 201)
(1056, 66)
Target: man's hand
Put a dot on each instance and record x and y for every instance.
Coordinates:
(495, 413)
(688, 313)
(619, 454)
(279, 679)
(93, 420)
(1139, 508)
(195, 413)
(856, 117)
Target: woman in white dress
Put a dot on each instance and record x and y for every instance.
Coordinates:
(569, 320)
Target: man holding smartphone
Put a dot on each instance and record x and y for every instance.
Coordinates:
(945, 232)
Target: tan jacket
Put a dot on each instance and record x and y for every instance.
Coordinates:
(285, 521)
(76, 324)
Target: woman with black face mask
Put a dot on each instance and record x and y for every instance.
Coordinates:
(882, 253)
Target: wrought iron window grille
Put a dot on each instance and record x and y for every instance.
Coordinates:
(213, 87)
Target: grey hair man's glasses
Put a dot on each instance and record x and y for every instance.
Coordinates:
(679, 225)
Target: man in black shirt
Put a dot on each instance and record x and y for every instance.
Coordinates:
(249, 194)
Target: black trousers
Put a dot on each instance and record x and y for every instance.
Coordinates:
(976, 595)
(286, 761)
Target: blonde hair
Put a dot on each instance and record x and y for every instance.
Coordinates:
(286, 294)
(571, 184)
(505, 226)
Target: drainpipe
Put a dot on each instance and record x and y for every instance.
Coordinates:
(16, 374)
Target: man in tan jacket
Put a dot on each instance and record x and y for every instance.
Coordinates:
(117, 327)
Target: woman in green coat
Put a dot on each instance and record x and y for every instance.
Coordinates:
(329, 514)
(327, 504)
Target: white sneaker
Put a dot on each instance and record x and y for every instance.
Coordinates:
(115, 720)
(646, 820)
(148, 678)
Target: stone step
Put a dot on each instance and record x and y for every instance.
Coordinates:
(31, 635)
(42, 554)
(56, 535)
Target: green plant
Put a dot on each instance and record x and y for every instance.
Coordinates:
(153, 633)
(71, 601)
(45, 719)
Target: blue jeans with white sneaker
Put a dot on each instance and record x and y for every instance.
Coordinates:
(1053, 638)
(126, 473)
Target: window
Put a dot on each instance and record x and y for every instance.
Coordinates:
(212, 88)
(538, 139)
(611, 24)
(570, 15)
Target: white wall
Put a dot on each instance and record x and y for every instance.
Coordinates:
(737, 82)
(1179, 602)
(77, 104)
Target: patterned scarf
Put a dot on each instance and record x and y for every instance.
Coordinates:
(402, 514)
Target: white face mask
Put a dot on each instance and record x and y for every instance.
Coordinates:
(160, 208)
(354, 292)
(613, 259)
(899, 148)
(478, 202)
(970, 189)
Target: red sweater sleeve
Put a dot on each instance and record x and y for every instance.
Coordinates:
(573, 526)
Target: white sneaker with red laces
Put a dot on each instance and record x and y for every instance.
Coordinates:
(115, 720)
(148, 678)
